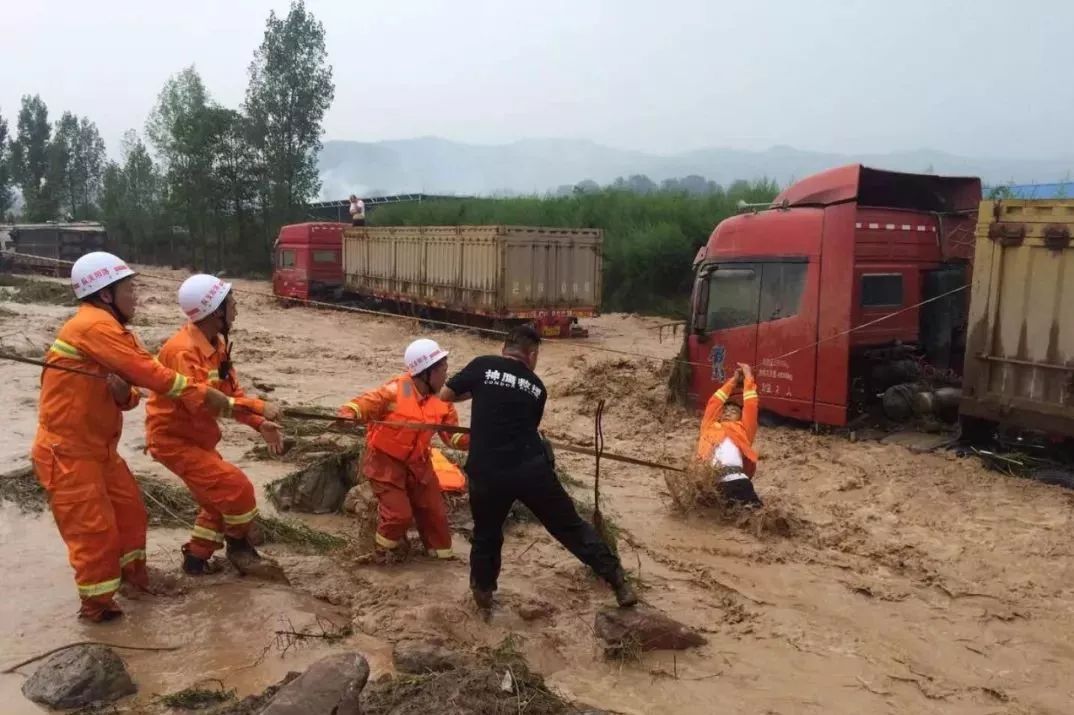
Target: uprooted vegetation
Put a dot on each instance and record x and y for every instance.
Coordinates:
(197, 698)
(169, 505)
(31, 290)
(497, 682)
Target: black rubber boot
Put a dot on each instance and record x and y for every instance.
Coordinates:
(244, 557)
(482, 598)
(240, 546)
(625, 595)
(193, 565)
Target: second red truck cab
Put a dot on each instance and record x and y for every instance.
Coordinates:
(821, 290)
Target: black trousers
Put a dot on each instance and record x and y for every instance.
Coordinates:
(533, 483)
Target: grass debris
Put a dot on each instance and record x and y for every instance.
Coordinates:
(20, 486)
(169, 505)
(196, 698)
(499, 682)
(30, 290)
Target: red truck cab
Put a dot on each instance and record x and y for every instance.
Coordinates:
(818, 291)
(309, 261)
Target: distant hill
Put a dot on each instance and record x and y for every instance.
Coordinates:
(434, 165)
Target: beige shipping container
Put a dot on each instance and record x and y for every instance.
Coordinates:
(497, 271)
(1020, 346)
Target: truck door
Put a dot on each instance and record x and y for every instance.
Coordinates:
(286, 279)
(786, 338)
(726, 304)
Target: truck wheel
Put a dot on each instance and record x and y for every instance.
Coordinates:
(1057, 477)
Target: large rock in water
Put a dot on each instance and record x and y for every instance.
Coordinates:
(330, 686)
(319, 488)
(79, 676)
(645, 629)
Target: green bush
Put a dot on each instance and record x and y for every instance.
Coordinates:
(649, 240)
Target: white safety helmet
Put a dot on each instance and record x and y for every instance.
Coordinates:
(95, 271)
(201, 294)
(422, 354)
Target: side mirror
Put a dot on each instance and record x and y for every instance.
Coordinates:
(699, 323)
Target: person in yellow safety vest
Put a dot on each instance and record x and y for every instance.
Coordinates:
(397, 459)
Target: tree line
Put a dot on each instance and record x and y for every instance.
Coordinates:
(209, 185)
(649, 241)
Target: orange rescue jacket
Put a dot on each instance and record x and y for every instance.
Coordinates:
(77, 414)
(189, 352)
(742, 433)
(400, 401)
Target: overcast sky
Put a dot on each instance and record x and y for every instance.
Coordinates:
(981, 78)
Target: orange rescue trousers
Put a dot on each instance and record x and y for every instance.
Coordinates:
(407, 491)
(223, 492)
(101, 517)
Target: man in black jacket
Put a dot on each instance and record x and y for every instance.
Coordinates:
(508, 461)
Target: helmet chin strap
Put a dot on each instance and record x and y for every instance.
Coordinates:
(225, 330)
(111, 306)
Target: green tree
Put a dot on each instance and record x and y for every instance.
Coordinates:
(7, 200)
(181, 131)
(289, 92)
(76, 164)
(131, 202)
(30, 160)
(236, 176)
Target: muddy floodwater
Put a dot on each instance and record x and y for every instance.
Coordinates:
(898, 582)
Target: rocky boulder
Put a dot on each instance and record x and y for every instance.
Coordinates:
(79, 676)
(643, 628)
(330, 686)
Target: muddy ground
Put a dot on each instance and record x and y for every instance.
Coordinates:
(908, 583)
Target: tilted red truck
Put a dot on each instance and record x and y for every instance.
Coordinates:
(859, 288)
(795, 289)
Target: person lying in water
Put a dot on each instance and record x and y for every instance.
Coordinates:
(725, 442)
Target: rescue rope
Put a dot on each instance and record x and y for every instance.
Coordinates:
(305, 415)
(50, 366)
(456, 429)
(154, 649)
(501, 333)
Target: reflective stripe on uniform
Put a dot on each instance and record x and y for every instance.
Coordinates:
(200, 532)
(355, 407)
(441, 553)
(722, 395)
(66, 349)
(178, 385)
(385, 542)
(749, 395)
(214, 376)
(98, 589)
(131, 556)
(240, 519)
(456, 438)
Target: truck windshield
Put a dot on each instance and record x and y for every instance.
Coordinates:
(734, 293)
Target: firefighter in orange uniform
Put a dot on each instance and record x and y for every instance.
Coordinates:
(726, 439)
(184, 437)
(397, 460)
(93, 496)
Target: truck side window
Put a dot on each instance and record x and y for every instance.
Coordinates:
(325, 257)
(287, 259)
(734, 291)
(881, 290)
(782, 285)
